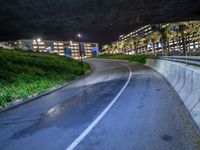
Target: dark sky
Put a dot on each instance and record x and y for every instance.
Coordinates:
(98, 20)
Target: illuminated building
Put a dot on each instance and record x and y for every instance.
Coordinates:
(175, 46)
(63, 48)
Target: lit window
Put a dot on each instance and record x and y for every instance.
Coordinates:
(41, 43)
(60, 44)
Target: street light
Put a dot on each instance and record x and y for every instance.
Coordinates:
(79, 35)
(80, 51)
(39, 40)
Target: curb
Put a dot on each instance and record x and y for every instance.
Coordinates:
(15, 105)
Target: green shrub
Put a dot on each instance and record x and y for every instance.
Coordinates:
(135, 58)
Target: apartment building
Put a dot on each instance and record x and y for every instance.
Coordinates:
(143, 31)
(63, 48)
(175, 46)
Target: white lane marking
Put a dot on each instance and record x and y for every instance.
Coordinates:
(94, 123)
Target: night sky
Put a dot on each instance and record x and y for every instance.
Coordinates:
(97, 20)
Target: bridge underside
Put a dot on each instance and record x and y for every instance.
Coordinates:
(62, 18)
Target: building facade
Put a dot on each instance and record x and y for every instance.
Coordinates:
(63, 48)
(175, 46)
(143, 31)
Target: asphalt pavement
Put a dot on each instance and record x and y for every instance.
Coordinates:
(120, 106)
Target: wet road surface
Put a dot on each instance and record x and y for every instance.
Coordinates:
(147, 115)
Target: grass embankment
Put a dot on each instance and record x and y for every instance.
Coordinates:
(25, 73)
(135, 58)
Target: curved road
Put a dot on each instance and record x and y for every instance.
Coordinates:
(120, 106)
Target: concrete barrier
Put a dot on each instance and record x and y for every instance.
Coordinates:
(186, 81)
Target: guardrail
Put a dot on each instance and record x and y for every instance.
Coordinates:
(190, 60)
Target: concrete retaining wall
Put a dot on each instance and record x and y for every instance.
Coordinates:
(186, 81)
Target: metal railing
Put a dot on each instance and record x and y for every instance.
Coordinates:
(190, 60)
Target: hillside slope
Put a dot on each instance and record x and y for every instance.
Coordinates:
(24, 73)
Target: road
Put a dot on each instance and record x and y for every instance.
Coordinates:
(120, 106)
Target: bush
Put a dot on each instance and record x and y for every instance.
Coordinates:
(135, 58)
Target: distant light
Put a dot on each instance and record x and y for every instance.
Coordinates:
(159, 45)
(34, 41)
(175, 28)
(49, 48)
(70, 42)
(149, 45)
(95, 49)
(79, 35)
(39, 40)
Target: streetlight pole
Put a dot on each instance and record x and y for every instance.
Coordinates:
(79, 44)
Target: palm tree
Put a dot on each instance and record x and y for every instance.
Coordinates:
(114, 47)
(106, 48)
(184, 30)
(165, 32)
(131, 43)
(190, 38)
(120, 45)
(144, 42)
(136, 42)
(169, 35)
(197, 38)
(193, 34)
(197, 31)
(154, 37)
(174, 35)
(126, 45)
